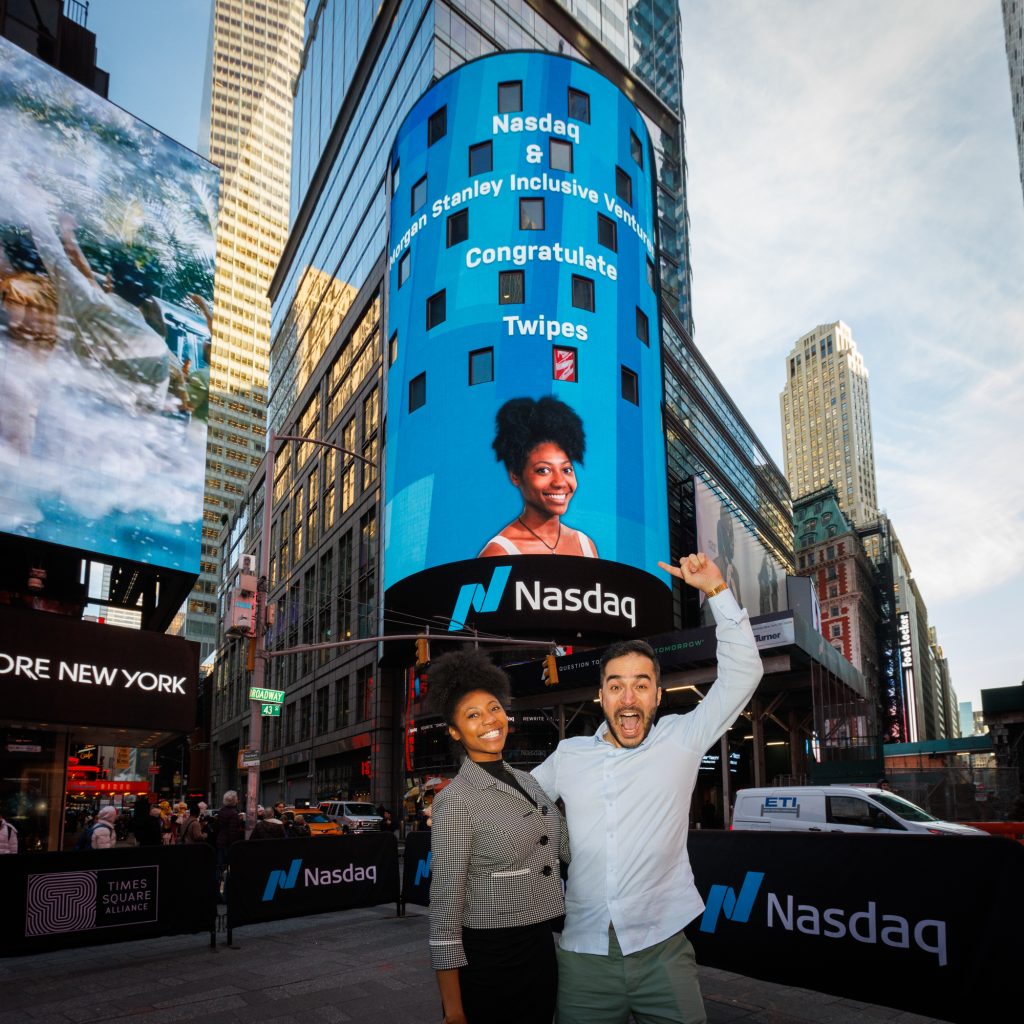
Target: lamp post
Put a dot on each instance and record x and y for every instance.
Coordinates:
(262, 590)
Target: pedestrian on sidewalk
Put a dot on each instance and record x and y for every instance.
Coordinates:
(104, 836)
(194, 829)
(268, 827)
(627, 792)
(230, 829)
(8, 836)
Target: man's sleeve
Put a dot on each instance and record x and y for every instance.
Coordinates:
(546, 774)
(451, 840)
(739, 672)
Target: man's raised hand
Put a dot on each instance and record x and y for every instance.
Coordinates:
(697, 570)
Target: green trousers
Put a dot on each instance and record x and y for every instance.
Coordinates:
(657, 985)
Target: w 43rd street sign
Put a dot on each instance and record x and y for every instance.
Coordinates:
(270, 710)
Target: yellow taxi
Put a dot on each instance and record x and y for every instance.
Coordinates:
(318, 822)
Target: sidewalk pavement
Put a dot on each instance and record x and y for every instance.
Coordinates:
(366, 966)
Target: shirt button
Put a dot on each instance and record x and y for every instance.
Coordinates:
(547, 870)
(543, 840)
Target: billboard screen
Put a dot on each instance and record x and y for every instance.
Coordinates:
(757, 580)
(106, 284)
(525, 381)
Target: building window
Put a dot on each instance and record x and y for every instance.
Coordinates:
(395, 178)
(458, 227)
(481, 158)
(833, 612)
(417, 392)
(403, 268)
(510, 97)
(560, 155)
(636, 148)
(830, 551)
(607, 233)
(481, 366)
(511, 287)
(419, 194)
(833, 591)
(623, 186)
(837, 630)
(630, 386)
(650, 274)
(531, 214)
(563, 364)
(437, 125)
(436, 311)
(392, 349)
(833, 573)
(582, 292)
(643, 330)
(579, 106)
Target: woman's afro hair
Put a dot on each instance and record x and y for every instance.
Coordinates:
(524, 423)
(455, 674)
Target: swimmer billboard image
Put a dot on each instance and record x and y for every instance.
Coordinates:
(525, 379)
(106, 286)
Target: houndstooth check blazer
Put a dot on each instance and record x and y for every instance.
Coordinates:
(494, 859)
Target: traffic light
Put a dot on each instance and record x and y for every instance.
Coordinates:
(550, 670)
(422, 651)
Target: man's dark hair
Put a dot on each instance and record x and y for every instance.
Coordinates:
(624, 647)
(523, 423)
(455, 674)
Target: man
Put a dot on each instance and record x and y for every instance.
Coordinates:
(627, 802)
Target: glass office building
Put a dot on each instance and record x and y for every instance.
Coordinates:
(361, 72)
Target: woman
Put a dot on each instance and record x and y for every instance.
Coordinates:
(495, 890)
(540, 441)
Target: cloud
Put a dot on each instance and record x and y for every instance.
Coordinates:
(857, 161)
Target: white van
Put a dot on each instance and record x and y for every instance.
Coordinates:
(353, 815)
(837, 809)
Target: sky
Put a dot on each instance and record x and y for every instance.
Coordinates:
(848, 160)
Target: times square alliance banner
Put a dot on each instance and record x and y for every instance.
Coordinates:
(106, 289)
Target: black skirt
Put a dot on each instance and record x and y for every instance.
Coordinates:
(512, 974)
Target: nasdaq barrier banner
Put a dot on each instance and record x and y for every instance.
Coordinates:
(929, 924)
(525, 380)
(60, 900)
(416, 869)
(280, 878)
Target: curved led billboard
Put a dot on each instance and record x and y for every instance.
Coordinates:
(106, 285)
(525, 379)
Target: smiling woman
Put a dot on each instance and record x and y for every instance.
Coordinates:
(540, 442)
(495, 890)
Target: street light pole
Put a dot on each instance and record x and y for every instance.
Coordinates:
(262, 593)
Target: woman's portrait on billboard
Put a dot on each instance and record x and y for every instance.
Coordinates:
(540, 441)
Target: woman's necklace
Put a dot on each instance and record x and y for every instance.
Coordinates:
(550, 547)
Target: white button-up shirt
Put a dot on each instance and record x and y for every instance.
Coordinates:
(628, 809)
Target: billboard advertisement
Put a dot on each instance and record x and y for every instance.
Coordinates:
(106, 285)
(757, 579)
(525, 375)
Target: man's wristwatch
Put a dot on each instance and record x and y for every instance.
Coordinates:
(721, 586)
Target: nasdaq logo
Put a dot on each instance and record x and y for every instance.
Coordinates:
(722, 900)
(423, 869)
(281, 880)
(474, 597)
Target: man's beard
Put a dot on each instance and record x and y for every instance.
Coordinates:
(648, 724)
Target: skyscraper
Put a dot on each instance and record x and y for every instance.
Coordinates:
(255, 47)
(364, 67)
(1013, 26)
(826, 420)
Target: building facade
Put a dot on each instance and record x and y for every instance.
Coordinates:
(340, 727)
(829, 550)
(253, 58)
(1013, 26)
(826, 421)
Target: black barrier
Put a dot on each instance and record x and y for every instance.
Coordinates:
(293, 877)
(61, 900)
(416, 869)
(929, 924)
